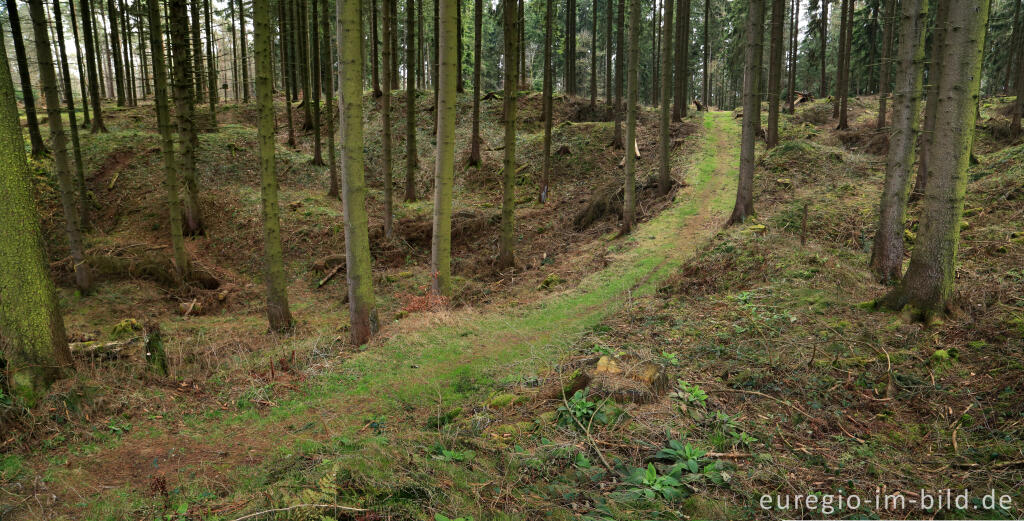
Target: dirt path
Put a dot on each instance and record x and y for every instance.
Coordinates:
(449, 360)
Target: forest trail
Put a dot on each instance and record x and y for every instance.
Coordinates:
(395, 384)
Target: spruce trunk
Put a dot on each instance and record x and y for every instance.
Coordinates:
(506, 241)
(744, 207)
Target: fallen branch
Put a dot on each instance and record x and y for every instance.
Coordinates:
(272, 510)
(330, 275)
(770, 397)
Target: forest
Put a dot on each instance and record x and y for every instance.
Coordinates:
(457, 260)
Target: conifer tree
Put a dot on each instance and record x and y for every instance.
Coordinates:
(775, 73)
(744, 206)
(665, 140)
(184, 110)
(39, 149)
(506, 239)
(76, 145)
(546, 108)
(444, 168)
(474, 147)
(632, 94)
(385, 116)
(411, 161)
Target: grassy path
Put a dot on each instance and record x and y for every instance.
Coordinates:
(394, 385)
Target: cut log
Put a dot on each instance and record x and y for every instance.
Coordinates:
(636, 149)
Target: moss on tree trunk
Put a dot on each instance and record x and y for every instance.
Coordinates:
(444, 169)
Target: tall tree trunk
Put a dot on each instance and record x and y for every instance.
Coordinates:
(48, 79)
(845, 86)
(385, 116)
(609, 6)
(459, 86)
(394, 46)
(632, 93)
(888, 249)
(30, 319)
(506, 240)
(655, 83)
(744, 207)
(707, 52)
(665, 141)
(115, 47)
(522, 46)
(302, 23)
(126, 42)
(374, 50)
(142, 52)
(286, 72)
(593, 56)
(620, 46)
(570, 47)
(411, 161)
(314, 71)
(163, 118)
(682, 61)
(794, 32)
(197, 53)
(327, 71)
(824, 48)
(434, 58)
(76, 145)
(211, 66)
(236, 91)
(927, 286)
(421, 47)
(91, 66)
(444, 169)
(184, 110)
(474, 147)
(775, 72)
(362, 308)
(79, 59)
(38, 147)
(278, 315)
(883, 83)
(546, 101)
(840, 57)
(244, 48)
(931, 102)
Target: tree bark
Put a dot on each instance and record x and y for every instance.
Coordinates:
(570, 47)
(234, 51)
(31, 325)
(794, 32)
(315, 83)
(744, 207)
(245, 48)
(928, 285)
(883, 82)
(374, 51)
(115, 46)
(707, 52)
(775, 73)
(608, 50)
(546, 100)
(302, 42)
(411, 160)
(385, 116)
(163, 118)
(474, 147)
(682, 61)
(506, 241)
(211, 66)
(840, 58)
(86, 121)
(632, 93)
(620, 45)
(185, 115)
(444, 170)
(278, 314)
(931, 101)
(327, 71)
(824, 48)
(197, 53)
(76, 145)
(39, 149)
(888, 249)
(362, 308)
(665, 141)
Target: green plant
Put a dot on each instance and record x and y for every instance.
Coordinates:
(649, 484)
(578, 410)
(442, 517)
(686, 455)
(691, 394)
(742, 439)
(453, 455)
(670, 358)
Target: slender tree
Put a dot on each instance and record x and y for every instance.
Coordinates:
(315, 83)
(474, 147)
(620, 46)
(823, 44)
(593, 55)
(506, 239)
(374, 53)
(932, 100)
(31, 325)
(883, 82)
(632, 89)
(234, 51)
(283, 27)
(794, 31)
(707, 52)
(888, 249)
(609, 8)
(459, 85)
(547, 89)
(327, 71)
(278, 315)
(126, 50)
(444, 166)
(362, 309)
(302, 42)
(775, 72)
(197, 52)
(184, 110)
(744, 207)
(927, 286)
(385, 116)
(38, 147)
(115, 44)
(843, 74)
(81, 66)
(211, 66)
(48, 79)
(76, 145)
(570, 47)
(163, 119)
(665, 140)
(245, 49)
(411, 161)
(682, 62)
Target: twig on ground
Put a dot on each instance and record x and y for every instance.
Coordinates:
(272, 510)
